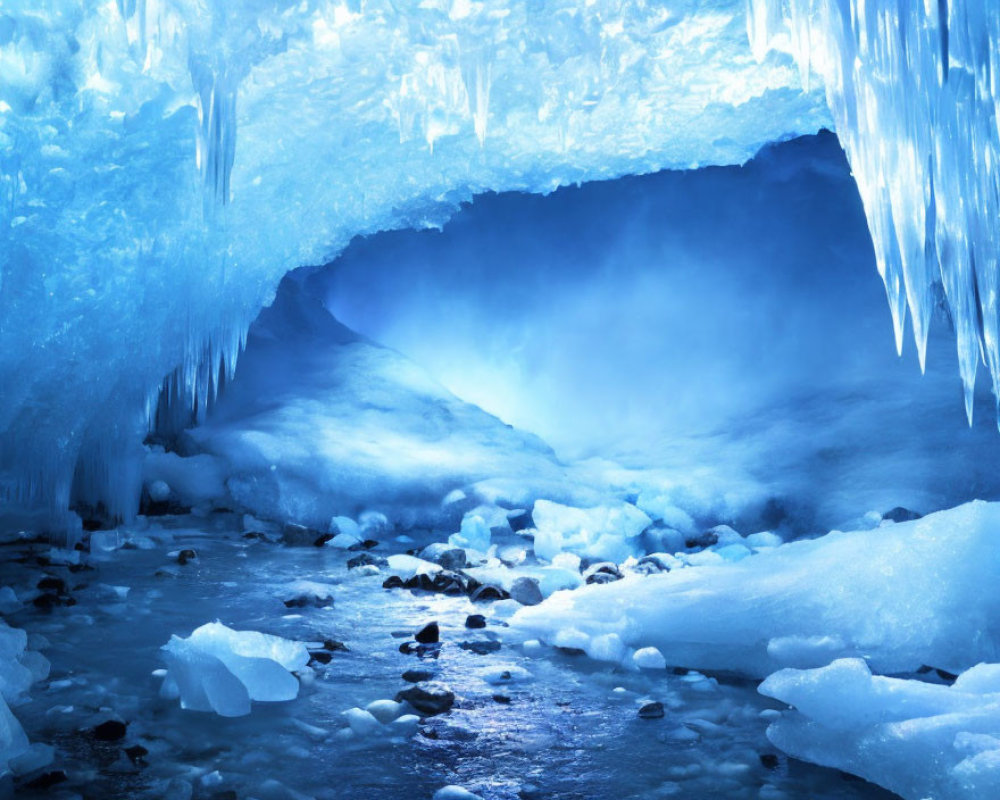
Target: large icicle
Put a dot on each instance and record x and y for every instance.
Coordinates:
(914, 88)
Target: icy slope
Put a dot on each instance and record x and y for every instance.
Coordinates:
(900, 596)
(914, 88)
(321, 422)
(164, 162)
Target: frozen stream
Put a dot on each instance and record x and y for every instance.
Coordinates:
(571, 731)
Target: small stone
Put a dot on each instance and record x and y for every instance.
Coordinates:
(701, 540)
(366, 560)
(185, 556)
(334, 646)
(602, 572)
(299, 535)
(417, 675)
(110, 731)
(481, 648)
(526, 591)
(429, 634)
(446, 555)
(769, 760)
(367, 544)
(900, 514)
(393, 582)
(502, 699)
(475, 621)
(652, 710)
(50, 583)
(488, 592)
(428, 698)
(47, 780)
(136, 753)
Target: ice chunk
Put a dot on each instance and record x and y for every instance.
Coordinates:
(649, 658)
(474, 535)
(603, 532)
(220, 669)
(916, 739)
(921, 592)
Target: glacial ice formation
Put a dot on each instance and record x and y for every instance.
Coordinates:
(220, 669)
(914, 89)
(917, 739)
(900, 596)
(164, 162)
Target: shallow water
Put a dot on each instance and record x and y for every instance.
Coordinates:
(568, 733)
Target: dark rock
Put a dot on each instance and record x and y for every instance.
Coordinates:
(393, 582)
(257, 536)
(50, 583)
(449, 557)
(501, 698)
(366, 559)
(186, 555)
(300, 536)
(701, 540)
(571, 651)
(525, 590)
(420, 650)
(136, 753)
(652, 710)
(319, 657)
(602, 572)
(487, 593)
(481, 648)
(769, 760)
(367, 544)
(448, 582)
(417, 675)
(47, 780)
(679, 671)
(428, 698)
(900, 514)
(110, 731)
(475, 621)
(429, 634)
(47, 601)
(947, 677)
(650, 565)
(335, 646)
(520, 520)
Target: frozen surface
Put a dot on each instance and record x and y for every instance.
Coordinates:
(914, 94)
(220, 669)
(917, 739)
(901, 596)
(165, 163)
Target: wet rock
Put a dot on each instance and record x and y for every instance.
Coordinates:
(571, 651)
(420, 650)
(296, 535)
(110, 731)
(428, 698)
(50, 583)
(769, 760)
(481, 648)
(900, 514)
(366, 560)
(475, 621)
(602, 572)
(651, 565)
(525, 590)
(701, 540)
(393, 582)
(448, 556)
(319, 657)
(47, 780)
(429, 634)
(417, 675)
(364, 544)
(487, 593)
(652, 710)
(185, 556)
(502, 699)
(47, 601)
(136, 754)
(335, 646)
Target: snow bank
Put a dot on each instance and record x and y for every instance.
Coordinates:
(901, 596)
(916, 739)
(220, 669)
(604, 533)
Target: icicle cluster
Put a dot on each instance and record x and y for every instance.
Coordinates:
(914, 89)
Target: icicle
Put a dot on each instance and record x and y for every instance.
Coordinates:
(216, 142)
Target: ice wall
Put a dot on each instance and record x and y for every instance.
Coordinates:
(914, 89)
(164, 162)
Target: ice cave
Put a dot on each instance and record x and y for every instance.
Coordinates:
(499, 400)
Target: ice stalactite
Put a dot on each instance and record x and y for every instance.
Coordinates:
(914, 90)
